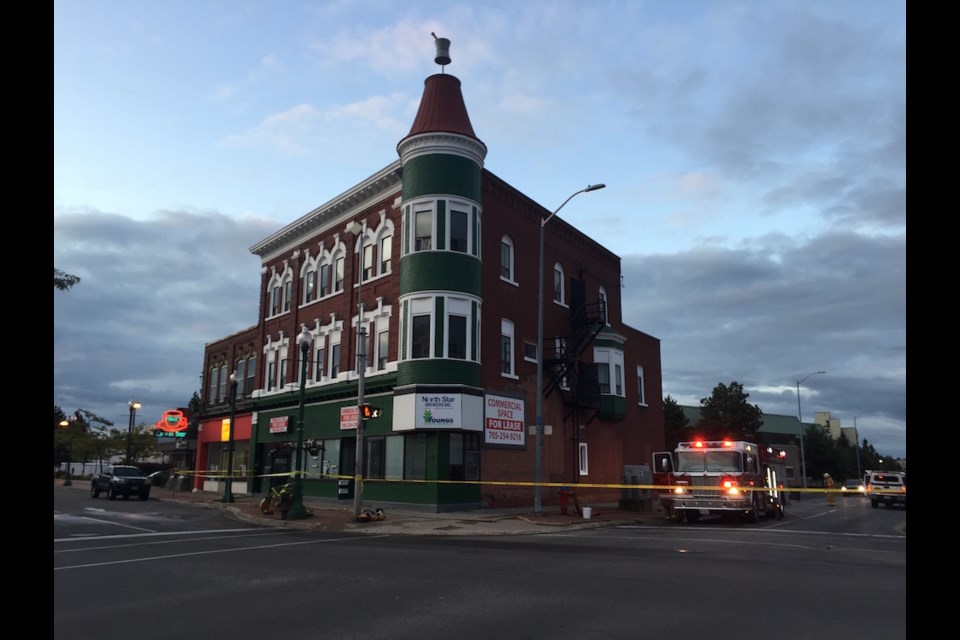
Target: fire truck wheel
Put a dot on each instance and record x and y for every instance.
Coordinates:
(692, 516)
(754, 514)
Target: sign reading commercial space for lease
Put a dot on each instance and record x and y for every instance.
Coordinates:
(503, 421)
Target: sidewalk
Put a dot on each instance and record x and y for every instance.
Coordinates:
(336, 516)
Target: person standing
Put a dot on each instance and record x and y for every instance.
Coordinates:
(828, 485)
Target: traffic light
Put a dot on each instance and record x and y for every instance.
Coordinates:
(368, 411)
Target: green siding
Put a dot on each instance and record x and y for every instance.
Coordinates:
(474, 335)
(439, 270)
(440, 327)
(609, 344)
(437, 371)
(475, 250)
(441, 232)
(613, 407)
(405, 324)
(441, 173)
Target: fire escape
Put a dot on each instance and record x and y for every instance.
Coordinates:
(576, 379)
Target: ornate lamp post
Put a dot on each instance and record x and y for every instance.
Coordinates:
(537, 506)
(803, 460)
(228, 491)
(297, 510)
(134, 405)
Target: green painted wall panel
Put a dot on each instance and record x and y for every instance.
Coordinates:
(441, 271)
(435, 371)
(441, 173)
(613, 407)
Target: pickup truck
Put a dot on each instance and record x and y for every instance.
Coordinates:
(120, 480)
(887, 487)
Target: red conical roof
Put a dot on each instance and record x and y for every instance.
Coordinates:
(442, 108)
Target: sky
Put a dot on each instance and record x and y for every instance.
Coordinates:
(754, 154)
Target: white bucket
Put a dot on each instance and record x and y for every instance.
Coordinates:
(587, 513)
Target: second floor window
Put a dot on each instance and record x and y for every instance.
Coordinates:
(420, 346)
(457, 337)
(506, 347)
(324, 280)
(458, 231)
(386, 249)
(335, 360)
(506, 259)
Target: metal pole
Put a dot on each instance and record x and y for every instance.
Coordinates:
(297, 510)
(856, 446)
(537, 500)
(67, 482)
(133, 414)
(803, 460)
(361, 374)
(228, 491)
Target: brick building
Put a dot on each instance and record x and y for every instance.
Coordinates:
(434, 263)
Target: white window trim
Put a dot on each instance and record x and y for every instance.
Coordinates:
(563, 285)
(513, 261)
(611, 358)
(641, 384)
(583, 458)
(507, 328)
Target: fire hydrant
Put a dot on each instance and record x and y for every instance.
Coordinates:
(564, 500)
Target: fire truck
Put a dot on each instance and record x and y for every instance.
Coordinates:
(720, 477)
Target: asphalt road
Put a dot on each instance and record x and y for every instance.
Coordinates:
(161, 570)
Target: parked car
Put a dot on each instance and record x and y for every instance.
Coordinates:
(120, 480)
(853, 488)
(159, 478)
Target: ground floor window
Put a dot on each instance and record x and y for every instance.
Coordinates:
(396, 457)
(218, 459)
(464, 456)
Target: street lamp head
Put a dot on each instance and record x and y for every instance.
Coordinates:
(64, 423)
(134, 405)
(233, 378)
(305, 338)
(594, 187)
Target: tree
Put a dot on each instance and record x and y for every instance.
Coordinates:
(63, 281)
(676, 424)
(726, 414)
(193, 416)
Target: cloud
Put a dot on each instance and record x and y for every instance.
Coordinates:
(151, 294)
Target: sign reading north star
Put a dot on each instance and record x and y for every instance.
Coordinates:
(438, 410)
(503, 421)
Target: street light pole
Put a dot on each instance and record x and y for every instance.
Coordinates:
(856, 446)
(297, 510)
(803, 459)
(67, 482)
(134, 405)
(537, 504)
(357, 229)
(228, 491)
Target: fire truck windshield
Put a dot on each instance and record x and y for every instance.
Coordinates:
(716, 461)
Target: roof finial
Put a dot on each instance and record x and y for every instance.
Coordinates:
(443, 51)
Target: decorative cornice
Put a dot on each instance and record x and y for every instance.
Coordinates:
(324, 215)
(439, 142)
